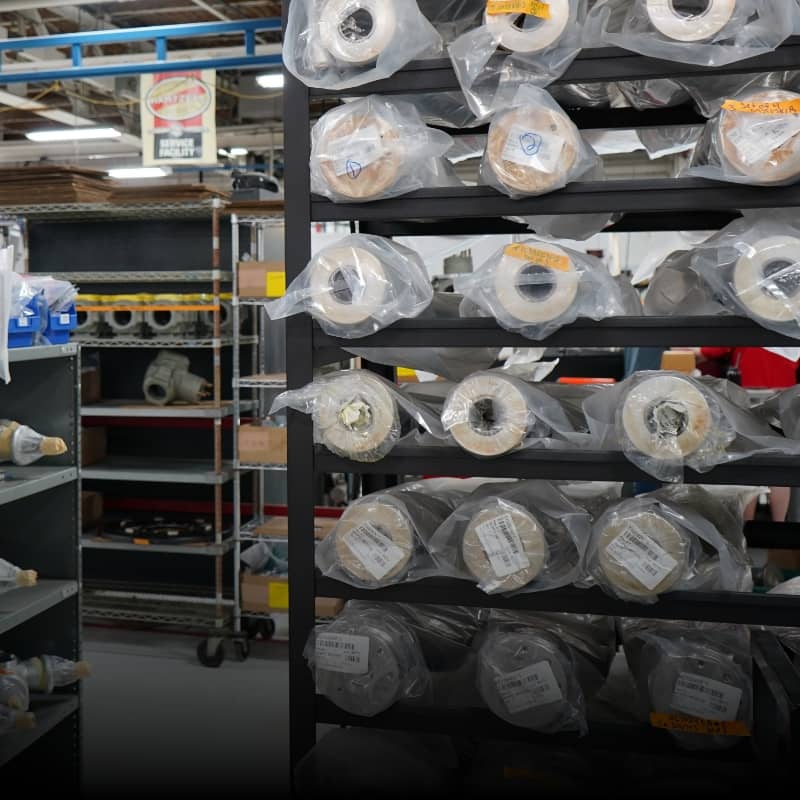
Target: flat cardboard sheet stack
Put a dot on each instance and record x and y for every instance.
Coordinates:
(166, 193)
(50, 183)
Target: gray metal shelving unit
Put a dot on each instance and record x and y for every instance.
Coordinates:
(40, 529)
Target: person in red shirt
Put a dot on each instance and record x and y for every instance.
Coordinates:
(759, 369)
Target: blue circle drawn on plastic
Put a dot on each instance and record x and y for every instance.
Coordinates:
(530, 143)
(353, 168)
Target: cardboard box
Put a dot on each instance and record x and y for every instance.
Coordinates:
(328, 606)
(278, 527)
(90, 385)
(262, 278)
(262, 444)
(266, 594)
(679, 361)
(91, 509)
(94, 443)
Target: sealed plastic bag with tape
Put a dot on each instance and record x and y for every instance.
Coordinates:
(646, 546)
(536, 287)
(358, 415)
(509, 537)
(694, 680)
(677, 290)
(367, 659)
(520, 43)
(753, 266)
(493, 413)
(382, 538)
(754, 139)
(338, 44)
(706, 32)
(374, 148)
(666, 421)
(538, 671)
(358, 286)
(533, 147)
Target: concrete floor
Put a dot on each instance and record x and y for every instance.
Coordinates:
(154, 719)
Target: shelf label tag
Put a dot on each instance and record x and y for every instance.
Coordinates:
(339, 652)
(276, 284)
(143, 542)
(777, 108)
(278, 594)
(709, 727)
(699, 696)
(405, 372)
(502, 545)
(536, 8)
(535, 255)
(378, 553)
(529, 687)
(642, 557)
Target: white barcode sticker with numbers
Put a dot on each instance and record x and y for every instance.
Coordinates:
(339, 652)
(529, 687)
(23, 322)
(63, 319)
(646, 560)
(703, 697)
(502, 545)
(376, 552)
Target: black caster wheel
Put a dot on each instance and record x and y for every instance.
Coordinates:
(210, 658)
(267, 628)
(252, 627)
(242, 648)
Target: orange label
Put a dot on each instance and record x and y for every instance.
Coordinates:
(536, 255)
(278, 595)
(710, 727)
(535, 8)
(774, 109)
(141, 541)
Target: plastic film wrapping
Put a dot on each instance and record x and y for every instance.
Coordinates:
(375, 148)
(510, 537)
(14, 693)
(338, 44)
(357, 287)
(23, 446)
(676, 290)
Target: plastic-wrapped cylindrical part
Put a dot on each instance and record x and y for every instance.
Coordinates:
(676, 290)
(46, 673)
(358, 286)
(789, 636)
(23, 446)
(14, 692)
(11, 720)
(12, 577)
(538, 35)
(366, 660)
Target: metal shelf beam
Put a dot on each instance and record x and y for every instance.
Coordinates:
(50, 711)
(147, 276)
(26, 481)
(156, 470)
(189, 549)
(18, 354)
(20, 605)
(129, 408)
(159, 341)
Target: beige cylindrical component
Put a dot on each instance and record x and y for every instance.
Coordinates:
(690, 26)
(374, 541)
(22, 445)
(642, 554)
(531, 149)
(535, 293)
(666, 417)
(356, 32)
(27, 577)
(762, 147)
(504, 547)
(535, 34)
(360, 156)
(487, 415)
(766, 279)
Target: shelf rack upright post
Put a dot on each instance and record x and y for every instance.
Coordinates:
(650, 205)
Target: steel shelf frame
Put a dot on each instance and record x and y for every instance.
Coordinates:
(190, 549)
(650, 205)
(21, 482)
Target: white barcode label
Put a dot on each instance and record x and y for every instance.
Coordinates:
(502, 545)
(529, 688)
(339, 652)
(63, 319)
(351, 154)
(703, 697)
(23, 322)
(376, 552)
(643, 558)
(530, 148)
(756, 137)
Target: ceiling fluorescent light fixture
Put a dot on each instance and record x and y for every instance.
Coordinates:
(72, 134)
(238, 151)
(270, 80)
(138, 172)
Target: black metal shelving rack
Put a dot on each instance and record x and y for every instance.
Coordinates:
(679, 204)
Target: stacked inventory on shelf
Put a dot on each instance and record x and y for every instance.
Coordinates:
(40, 530)
(680, 204)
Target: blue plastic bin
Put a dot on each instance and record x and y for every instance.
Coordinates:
(22, 330)
(59, 325)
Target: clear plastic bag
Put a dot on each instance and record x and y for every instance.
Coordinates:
(46, 673)
(666, 421)
(382, 538)
(537, 671)
(451, 18)
(709, 92)
(676, 290)
(533, 147)
(755, 139)
(358, 286)
(646, 546)
(359, 415)
(367, 659)
(698, 670)
(536, 287)
(509, 537)
(338, 44)
(753, 266)
(578, 227)
(375, 148)
(493, 413)
(789, 636)
(510, 50)
(710, 34)
(23, 446)
(14, 692)
(12, 577)
(653, 93)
